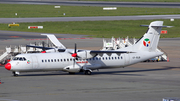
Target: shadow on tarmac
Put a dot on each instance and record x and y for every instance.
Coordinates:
(135, 71)
(58, 73)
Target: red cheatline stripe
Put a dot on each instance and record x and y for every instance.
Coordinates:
(15, 36)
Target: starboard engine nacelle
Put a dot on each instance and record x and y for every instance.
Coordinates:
(85, 54)
(72, 68)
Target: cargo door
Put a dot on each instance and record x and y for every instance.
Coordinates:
(126, 59)
(34, 62)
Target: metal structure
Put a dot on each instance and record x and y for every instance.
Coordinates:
(10, 52)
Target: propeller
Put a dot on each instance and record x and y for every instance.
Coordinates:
(43, 44)
(75, 53)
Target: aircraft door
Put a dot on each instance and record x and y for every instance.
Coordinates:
(34, 61)
(126, 59)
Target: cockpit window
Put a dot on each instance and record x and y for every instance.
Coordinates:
(19, 58)
(16, 58)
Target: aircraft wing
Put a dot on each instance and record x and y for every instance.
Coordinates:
(41, 47)
(55, 41)
(45, 48)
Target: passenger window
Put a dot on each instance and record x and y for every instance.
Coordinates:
(42, 60)
(51, 60)
(61, 60)
(112, 58)
(58, 60)
(24, 58)
(115, 58)
(64, 59)
(54, 60)
(45, 60)
(48, 60)
(21, 59)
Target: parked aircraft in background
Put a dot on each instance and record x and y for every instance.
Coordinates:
(75, 60)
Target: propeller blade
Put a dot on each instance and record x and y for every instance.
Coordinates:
(75, 48)
(43, 46)
(75, 52)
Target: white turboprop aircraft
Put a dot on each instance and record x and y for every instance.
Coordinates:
(88, 60)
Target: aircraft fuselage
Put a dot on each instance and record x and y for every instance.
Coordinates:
(59, 61)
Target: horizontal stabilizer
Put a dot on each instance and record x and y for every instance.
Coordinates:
(156, 26)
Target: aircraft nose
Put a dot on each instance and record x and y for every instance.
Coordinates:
(8, 66)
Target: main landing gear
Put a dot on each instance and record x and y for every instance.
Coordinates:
(88, 72)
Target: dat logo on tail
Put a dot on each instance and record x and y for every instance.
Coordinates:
(146, 42)
(75, 60)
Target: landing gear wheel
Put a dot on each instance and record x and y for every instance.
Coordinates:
(14, 74)
(87, 72)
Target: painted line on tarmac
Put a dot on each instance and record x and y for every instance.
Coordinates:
(7, 99)
(14, 36)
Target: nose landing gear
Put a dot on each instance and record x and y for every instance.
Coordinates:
(15, 73)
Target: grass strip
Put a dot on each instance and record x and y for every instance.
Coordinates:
(25, 10)
(98, 29)
(133, 0)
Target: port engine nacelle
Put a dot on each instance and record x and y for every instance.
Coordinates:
(72, 68)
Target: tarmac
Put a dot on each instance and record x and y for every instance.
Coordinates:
(144, 81)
